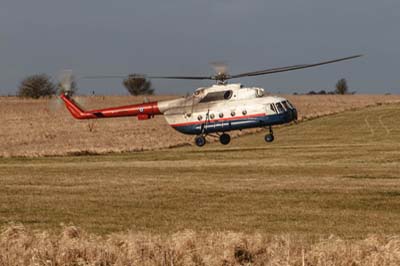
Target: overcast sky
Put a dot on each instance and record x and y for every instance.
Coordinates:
(181, 37)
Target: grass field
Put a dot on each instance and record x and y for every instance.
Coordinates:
(339, 175)
(34, 128)
(326, 192)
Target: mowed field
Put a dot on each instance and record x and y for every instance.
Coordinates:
(326, 192)
(338, 174)
(44, 127)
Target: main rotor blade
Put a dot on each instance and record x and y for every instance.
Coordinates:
(290, 68)
(223, 76)
(105, 77)
(145, 76)
(180, 77)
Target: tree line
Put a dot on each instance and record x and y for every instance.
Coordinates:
(341, 87)
(42, 85)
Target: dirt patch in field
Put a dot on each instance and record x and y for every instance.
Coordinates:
(39, 128)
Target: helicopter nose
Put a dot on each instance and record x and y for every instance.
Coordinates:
(292, 114)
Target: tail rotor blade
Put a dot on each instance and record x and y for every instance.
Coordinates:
(55, 104)
(65, 80)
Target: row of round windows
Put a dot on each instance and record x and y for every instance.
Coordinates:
(221, 115)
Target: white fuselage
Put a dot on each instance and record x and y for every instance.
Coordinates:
(221, 108)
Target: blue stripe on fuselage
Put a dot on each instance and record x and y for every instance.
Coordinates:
(224, 126)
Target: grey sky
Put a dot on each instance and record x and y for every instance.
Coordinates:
(183, 36)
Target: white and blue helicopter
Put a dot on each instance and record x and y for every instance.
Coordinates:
(213, 110)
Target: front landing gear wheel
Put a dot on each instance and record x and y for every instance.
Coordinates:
(200, 141)
(269, 138)
(225, 139)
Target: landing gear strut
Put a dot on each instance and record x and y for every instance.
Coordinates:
(270, 136)
(224, 139)
(200, 141)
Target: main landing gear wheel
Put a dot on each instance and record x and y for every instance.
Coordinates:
(225, 139)
(200, 141)
(269, 138)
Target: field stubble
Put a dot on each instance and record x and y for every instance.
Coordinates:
(19, 246)
(39, 128)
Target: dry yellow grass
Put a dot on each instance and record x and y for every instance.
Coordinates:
(250, 203)
(33, 128)
(20, 246)
(338, 175)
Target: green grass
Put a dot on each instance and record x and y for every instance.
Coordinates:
(333, 175)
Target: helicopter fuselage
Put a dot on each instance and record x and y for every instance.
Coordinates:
(223, 108)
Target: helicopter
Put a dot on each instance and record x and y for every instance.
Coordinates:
(209, 111)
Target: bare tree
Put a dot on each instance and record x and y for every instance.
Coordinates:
(138, 85)
(36, 86)
(341, 87)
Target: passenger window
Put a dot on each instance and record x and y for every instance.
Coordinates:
(280, 108)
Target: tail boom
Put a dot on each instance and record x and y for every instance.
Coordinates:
(142, 111)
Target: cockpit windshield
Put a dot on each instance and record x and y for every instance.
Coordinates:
(290, 105)
(280, 108)
(285, 104)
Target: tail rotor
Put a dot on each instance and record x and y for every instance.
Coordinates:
(67, 82)
(66, 85)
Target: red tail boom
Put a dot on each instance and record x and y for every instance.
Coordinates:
(142, 111)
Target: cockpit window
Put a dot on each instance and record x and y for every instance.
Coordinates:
(280, 108)
(273, 108)
(216, 96)
(286, 105)
(290, 105)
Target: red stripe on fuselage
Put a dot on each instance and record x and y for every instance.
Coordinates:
(217, 120)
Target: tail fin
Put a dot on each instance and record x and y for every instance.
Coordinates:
(143, 111)
(75, 110)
